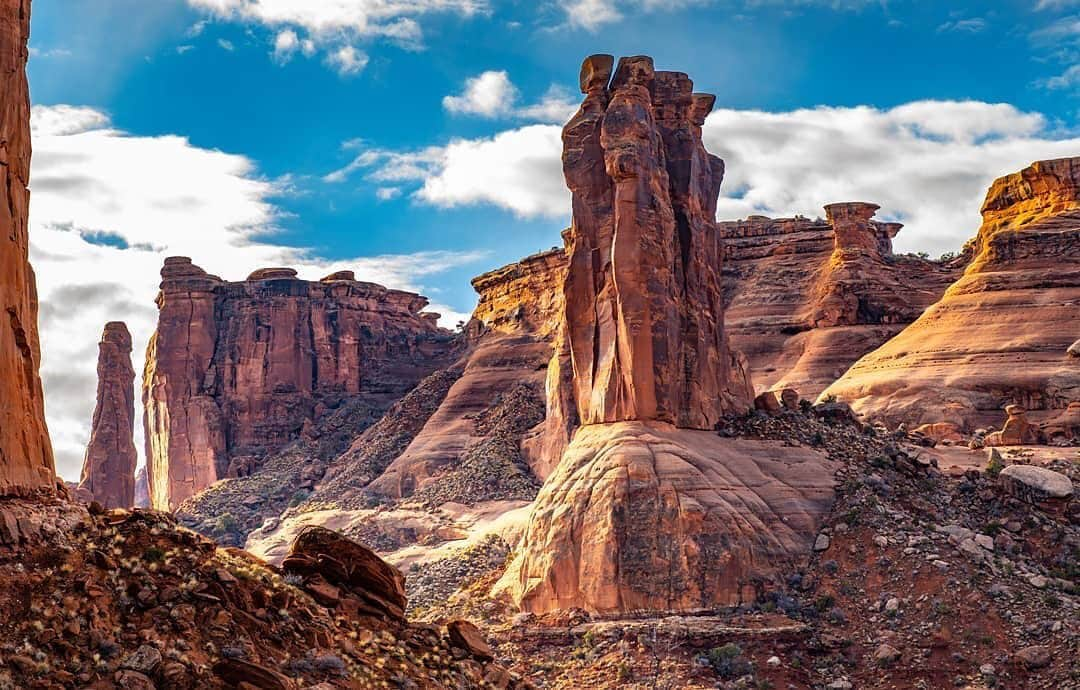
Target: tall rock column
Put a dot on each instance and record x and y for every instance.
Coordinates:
(648, 509)
(108, 474)
(644, 315)
(26, 459)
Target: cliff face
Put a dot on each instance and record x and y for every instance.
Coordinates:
(26, 459)
(647, 508)
(1001, 332)
(108, 473)
(807, 298)
(239, 369)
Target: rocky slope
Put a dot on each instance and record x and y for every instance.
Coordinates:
(108, 473)
(1001, 333)
(239, 370)
(807, 298)
(26, 459)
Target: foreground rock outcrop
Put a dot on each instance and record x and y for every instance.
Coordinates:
(108, 473)
(1000, 335)
(807, 298)
(238, 370)
(26, 459)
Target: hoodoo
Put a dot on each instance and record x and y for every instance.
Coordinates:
(26, 459)
(108, 473)
(238, 369)
(648, 509)
(1001, 333)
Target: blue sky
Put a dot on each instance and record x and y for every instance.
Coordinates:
(417, 140)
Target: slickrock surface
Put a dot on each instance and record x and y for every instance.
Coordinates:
(26, 459)
(130, 600)
(108, 473)
(641, 516)
(807, 298)
(237, 370)
(644, 311)
(1000, 334)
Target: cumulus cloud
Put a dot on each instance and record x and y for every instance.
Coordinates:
(108, 207)
(491, 94)
(337, 25)
(927, 163)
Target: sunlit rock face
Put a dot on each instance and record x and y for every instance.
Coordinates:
(108, 473)
(238, 369)
(26, 458)
(806, 298)
(1001, 333)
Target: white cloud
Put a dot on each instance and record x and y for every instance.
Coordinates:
(491, 94)
(226, 45)
(387, 193)
(347, 60)
(971, 26)
(107, 207)
(928, 163)
(49, 52)
(1057, 4)
(590, 14)
(285, 44)
(1067, 80)
(337, 25)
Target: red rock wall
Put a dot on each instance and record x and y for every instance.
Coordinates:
(108, 473)
(236, 370)
(1001, 332)
(807, 298)
(26, 459)
(644, 314)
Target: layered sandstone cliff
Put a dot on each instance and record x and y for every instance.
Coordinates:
(108, 473)
(648, 509)
(237, 370)
(807, 298)
(1000, 335)
(26, 459)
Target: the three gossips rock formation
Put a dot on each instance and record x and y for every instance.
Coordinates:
(648, 509)
(26, 459)
(108, 473)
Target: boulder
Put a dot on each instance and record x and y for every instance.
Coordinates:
(324, 556)
(1035, 484)
(467, 636)
(1074, 350)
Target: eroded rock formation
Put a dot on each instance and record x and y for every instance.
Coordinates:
(1001, 332)
(108, 473)
(26, 459)
(807, 298)
(644, 313)
(649, 509)
(239, 369)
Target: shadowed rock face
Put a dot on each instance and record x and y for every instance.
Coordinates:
(108, 473)
(236, 370)
(26, 459)
(807, 298)
(1000, 335)
(644, 314)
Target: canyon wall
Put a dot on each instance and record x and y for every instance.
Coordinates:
(648, 509)
(237, 370)
(108, 472)
(26, 459)
(1000, 334)
(807, 298)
